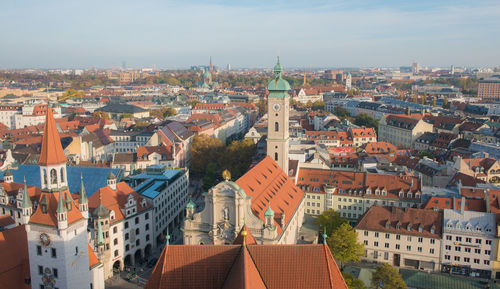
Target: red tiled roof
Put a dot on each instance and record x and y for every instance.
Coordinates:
(49, 218)
(93, 260)
(268, 186)
(14, 268)
(314, 180)
(51, 152)
(6, 220)
(115, 200)
(387, 219)
(442, 203)
(379, 148)
(252, 266)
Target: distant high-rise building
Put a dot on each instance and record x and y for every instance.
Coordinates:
(415, 67)
(228, 67)
(348, 84)
(452, 70)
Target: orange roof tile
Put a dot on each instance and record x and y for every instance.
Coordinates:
(252, 266)
(442, 203)
(115, 200)
(52, 152)
(376, 218)
(268, 186)
(244, 273)
(49, 218)
(93, 260)
(14, 268)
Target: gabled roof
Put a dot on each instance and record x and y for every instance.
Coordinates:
(250, 240)
(49, 218)
(268, 186)
(397, 220)
(251, 266)
(115, 200)
(52, 152)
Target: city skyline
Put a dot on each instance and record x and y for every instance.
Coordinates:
(249, 34)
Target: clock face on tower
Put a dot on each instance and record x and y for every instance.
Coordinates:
(44, 239)
(276, 107)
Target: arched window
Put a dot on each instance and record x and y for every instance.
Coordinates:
(276, 126)
(45, 176)
(62, 175)
(53, 176)
(276, 156)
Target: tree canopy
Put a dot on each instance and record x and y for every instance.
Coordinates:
(209, 157)
(388, 277)
(343, 243)
(100, 114)
(365, 120)
(353, 282)
(330, 220)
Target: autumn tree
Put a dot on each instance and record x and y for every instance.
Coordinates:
(204, 150)
(343, 243)
(318, 105)
(353, 282)
(388, 277)
(100, 114)
(238, 157)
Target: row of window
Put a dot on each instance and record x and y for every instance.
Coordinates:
(467, 259)
(398, 247)
(467, 240)
(398, 237)
(468, 250)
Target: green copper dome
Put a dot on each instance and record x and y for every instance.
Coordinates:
(191, 205)
(269, 212)
(278, 87)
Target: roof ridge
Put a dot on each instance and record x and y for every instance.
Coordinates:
(255, 264)
(325, 247)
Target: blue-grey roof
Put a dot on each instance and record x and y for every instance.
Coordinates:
(153, 181)
(94, 178)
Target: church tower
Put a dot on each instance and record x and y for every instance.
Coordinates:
(57, 230)
(278, 107)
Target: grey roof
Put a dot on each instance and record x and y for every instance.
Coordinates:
(125, 158)
(121, 108)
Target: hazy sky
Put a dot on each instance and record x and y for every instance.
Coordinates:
(180, 33)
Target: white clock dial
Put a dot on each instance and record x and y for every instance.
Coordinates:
(276, 107)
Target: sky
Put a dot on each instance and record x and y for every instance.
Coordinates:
(248, 33)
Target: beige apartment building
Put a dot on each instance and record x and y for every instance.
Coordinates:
(351, 194)
(402, 130)
(402, 237)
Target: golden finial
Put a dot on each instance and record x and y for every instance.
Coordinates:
(226, 175)
(244, 234)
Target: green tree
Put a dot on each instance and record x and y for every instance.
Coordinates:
(353, 282)
(366, 120)
(341, 112)
(318, 105)
(330, 220)
(343, 243)
(388, 277)
(210, 174)
(262, 106)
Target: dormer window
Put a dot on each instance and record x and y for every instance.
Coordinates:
(401, 194)
(420, 228)
(409, 195)
(408, 228)
(433, 229)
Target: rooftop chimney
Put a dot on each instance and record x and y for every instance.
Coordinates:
(462, 207)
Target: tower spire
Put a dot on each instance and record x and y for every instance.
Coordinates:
(26, 198)
(52, 152)
(83, 195)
